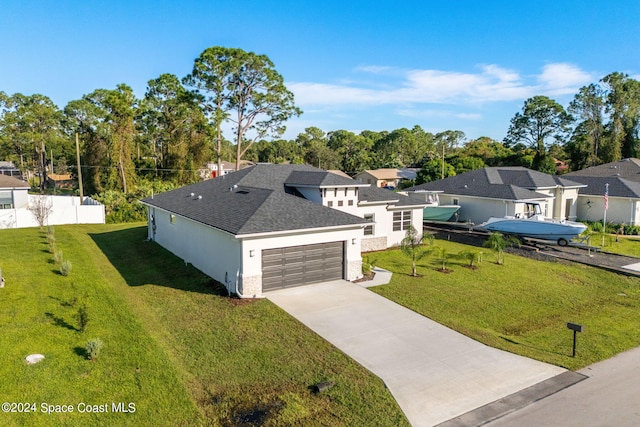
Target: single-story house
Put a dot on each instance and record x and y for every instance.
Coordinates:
(389, 177)
(274, 226)
(14, 193)
(8, 168)
(623, 178)
(503, 191)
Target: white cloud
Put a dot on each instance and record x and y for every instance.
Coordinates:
(563, 78)
(492, 83)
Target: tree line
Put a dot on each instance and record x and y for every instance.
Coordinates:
(129, 146)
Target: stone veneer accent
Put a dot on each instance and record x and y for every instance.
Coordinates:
(373, 244)
(251, 286)
(354, 270)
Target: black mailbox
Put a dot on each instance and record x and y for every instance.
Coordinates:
(575, 327)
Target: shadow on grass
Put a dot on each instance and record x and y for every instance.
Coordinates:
(141, 262)
(543, 350)
(80, 351)
(71, 303)
(59, 321)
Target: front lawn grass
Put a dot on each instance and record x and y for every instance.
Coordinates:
(522, 306)
(173, 346)
(626, 245)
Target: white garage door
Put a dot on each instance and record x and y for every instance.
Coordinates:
(301, 265)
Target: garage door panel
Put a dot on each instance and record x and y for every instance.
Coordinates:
(300, 265)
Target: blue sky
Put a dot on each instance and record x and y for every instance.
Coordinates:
(376, 65)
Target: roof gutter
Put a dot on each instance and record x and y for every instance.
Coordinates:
(300, 230)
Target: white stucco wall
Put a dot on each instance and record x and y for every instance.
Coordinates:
(591, 208)
(345, 195)
(215, 253)
(223, 256)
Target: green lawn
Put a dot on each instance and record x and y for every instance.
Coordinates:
(522, 306)
(626, 245)
(175, 348)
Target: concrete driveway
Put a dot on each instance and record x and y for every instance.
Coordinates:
(433, 372)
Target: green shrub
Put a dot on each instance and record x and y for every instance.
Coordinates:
(58, 258)
(52, 247)
(83, 317)
(65, 267)
(93, 348)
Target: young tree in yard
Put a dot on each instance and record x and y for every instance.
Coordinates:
(413, 248)
(497, 242)
(40, 207)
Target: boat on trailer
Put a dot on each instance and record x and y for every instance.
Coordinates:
(434, 211)
(534, 225)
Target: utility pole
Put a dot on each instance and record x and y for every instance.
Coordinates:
(79, 169)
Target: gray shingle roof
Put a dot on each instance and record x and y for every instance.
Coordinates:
(506, 183)
(10, 182)
(618, 187)
(252, 200)
(319, 179)
(627, 169)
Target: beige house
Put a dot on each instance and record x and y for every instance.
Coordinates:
(386, 177)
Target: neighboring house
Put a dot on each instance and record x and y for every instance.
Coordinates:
(8, 168)
(58, 181)
(623, 178)
(386, 177)
(227, 167)
(273, 226)
(15, 201)
(502, 191)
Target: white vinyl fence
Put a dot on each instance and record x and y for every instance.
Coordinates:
(64, 210)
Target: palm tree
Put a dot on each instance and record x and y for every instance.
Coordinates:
(497, 242)
(412, 247)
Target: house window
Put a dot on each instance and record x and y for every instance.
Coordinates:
(456, 202)
(368, 230)
(401, 220)
(330, 203)
(6, 201)
(350, 202)
(172, 218)
(340, 202)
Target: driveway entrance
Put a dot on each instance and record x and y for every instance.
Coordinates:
(433, 372)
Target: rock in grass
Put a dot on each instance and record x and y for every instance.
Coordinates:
(34, 358)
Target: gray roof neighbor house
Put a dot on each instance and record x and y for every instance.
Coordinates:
(506, 183)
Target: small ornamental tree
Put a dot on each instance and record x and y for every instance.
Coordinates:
(412, 247)
(40, 207)
(497, 242)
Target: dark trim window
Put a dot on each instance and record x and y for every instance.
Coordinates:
(350, 202)
(330, 203)
(340, 202)
(401, 220)
(6, 200)
(368, 229)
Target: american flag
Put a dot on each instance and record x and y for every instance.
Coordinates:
(606, 197)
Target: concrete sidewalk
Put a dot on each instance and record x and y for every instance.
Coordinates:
(434, 373)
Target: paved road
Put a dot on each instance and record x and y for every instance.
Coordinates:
(609, 397)
(434, 373)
